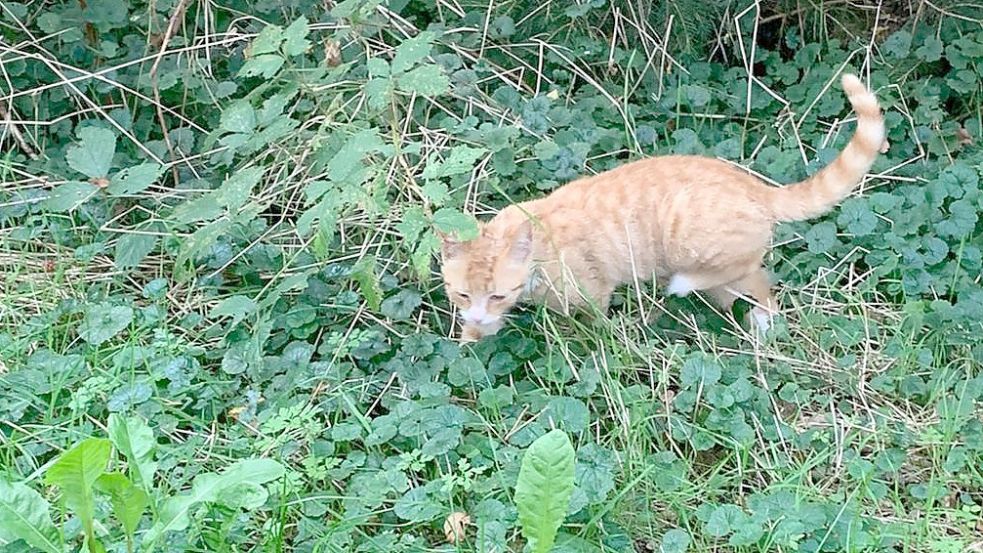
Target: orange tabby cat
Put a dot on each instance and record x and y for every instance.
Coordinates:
(700, 222)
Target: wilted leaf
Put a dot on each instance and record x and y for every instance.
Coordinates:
(455, 526)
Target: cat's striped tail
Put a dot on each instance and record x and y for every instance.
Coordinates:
(820, 192)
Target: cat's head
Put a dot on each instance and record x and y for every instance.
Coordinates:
(484, 277)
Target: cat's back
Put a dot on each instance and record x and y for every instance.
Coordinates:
(655, 179)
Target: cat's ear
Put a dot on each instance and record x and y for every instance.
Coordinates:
(521, 246)
(450, 246)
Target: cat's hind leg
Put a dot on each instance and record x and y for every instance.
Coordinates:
(754, 287)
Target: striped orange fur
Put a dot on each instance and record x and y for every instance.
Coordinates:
(699, 223)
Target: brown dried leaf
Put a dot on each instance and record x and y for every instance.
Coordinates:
(332, 53)
(455, 526)
(964, 137)
(100, 182)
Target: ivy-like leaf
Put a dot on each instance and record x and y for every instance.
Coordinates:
(236, 307)
(265, 65)
(103, 321)
(401, 305)
(93, 154)
(543, 490)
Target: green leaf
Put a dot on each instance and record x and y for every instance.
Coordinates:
(699, 370)
(24, 515)
(103, 321)
(236, 307)
(128, 501)
(131, 248)
(240, 117)
(134, 180)
(245, 476)
(461, 160)
(426, 80)
(451, 221)
(543, 490)
(93, 154)
(75, 473)
(265, 65)
(70, 195)
(416, 505)
(295, 40)
(135, 440)
(267, 41)
(821, 237)
(412, 224)
(411, 51)
(235, 191)
(368, 282)
(401, 305)
(675, 541)
(930, 50)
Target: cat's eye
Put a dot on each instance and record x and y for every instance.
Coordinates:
(496, 297)
(463, 296)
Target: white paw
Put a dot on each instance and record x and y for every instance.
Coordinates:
(679, 285)
(761, 319)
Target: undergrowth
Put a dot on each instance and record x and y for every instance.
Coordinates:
(220, 326)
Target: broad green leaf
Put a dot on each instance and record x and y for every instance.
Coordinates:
(234, 192)
(93, 154)
(128, 501)
(240, 117)
(24, 515)
(699, 370)
(213, 488)
(461, 160)
(368, 282)
(411, 51)
(377, 67)
(236, 307)
(203, 208)
(265, 65)
(135, 440)
(136, 179)
(930, 50)
(131, 248)
(68, 196)
(347, 160)
(452, 221)
(75, 473)
(103, 321)
(821, 237)
(378, 92)
(426, 80)
(295, 40)
(401, 305)
(543, 490)
(413, 224)
(267, 41)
